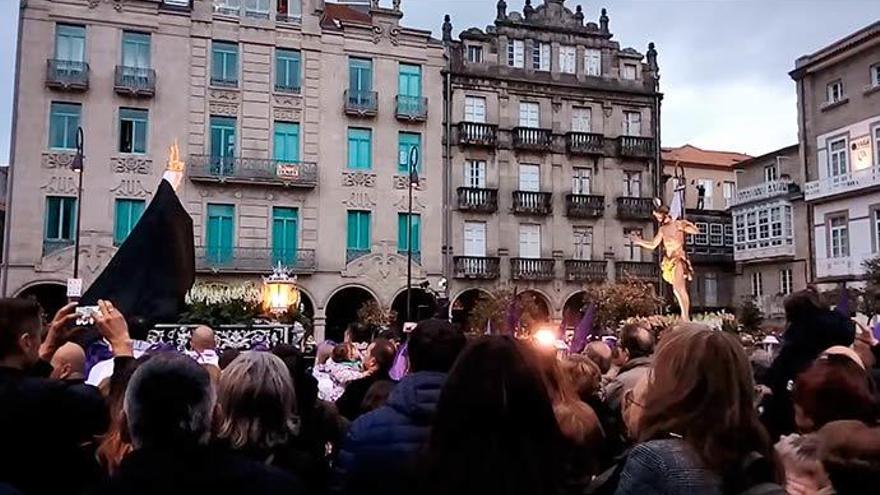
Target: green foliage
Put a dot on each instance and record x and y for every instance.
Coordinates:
(372, 314)
(620, 301)
(214, 314)
(750, 315)
(493, 307)
(871, 295)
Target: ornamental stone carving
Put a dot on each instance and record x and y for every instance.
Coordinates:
(402, 182)
(223, 109)
(224, 95)
(382, 264)
(60, 184)
(131, 164)
(288, 101)
(359, 199)
(402, 204)
(287, 114)
(57, 159)
(361, 179)
(130, 188)
(240, 338)
(377, 34)
(117, 4)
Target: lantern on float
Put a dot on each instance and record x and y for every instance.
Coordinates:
(280, 291)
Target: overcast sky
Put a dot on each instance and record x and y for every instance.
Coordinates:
(724, 63)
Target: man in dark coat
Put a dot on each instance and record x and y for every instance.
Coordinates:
(379, 454)
(378, 362)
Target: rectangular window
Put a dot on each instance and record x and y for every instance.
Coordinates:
(286, 142)
(837, 158)
(516, 53)
(227, 7)
(632, 184)
(763, 225)
(839, 234)
(70, 44)
(222, 141)
(632, 124)
(716, 234)
(63, 123)
(740, 224)
(541, 56)
(702, 238)
(710, 289)
(877, 146)
(290, 9)
(135, 50)
(529, 241)
(60, 218)
(224, 64)
(581, 181)
(475, 173)
(776, 222)
(288, 65)
(875, 75)
(593, 62)
(752, 226)
(835, 91)
(529, 177)
(220, 234)
(406, 141)
(402, 244)
(770, 173)
(631, 252)
(475, 54)
(529, 114)
(875, 219)
(728, 235)
(583, 243)
(629, 71)
(567, 59)
(708, 190)
(126, 215)
(360, 77)
(257, 8)
(757, 284)
(475, 109)
(785, 281)
(728, 189)
(580, 119)
(475, 239)
(410, 80)
(358, 238)
(132, 130)
(285, 223)
(360, 149)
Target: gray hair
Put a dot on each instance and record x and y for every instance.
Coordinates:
(169, 402)
(256, 402)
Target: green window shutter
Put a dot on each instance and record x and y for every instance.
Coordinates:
(287, 70)
(360, 149)
(351, 230)
(284, 235)
(406, 141)
(63, 123)
(60, 218)
(220, 233)
(410, 81)
(358, 237)
(360, 71)
(128, 212)
(402, 244)
(364, 235)
(417, 233)
(224, 63)
(135, 50)
(401, 232)
(222, 137)
(53, 214)
(70, 43)
(286, 142)
(133, 130)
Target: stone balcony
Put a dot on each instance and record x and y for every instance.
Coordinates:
(536, 269)
(762, 191)
(532, 139)
(477, 134)
(833, 268)
(136, 82)
(412, 108)
(254, 260)
(67, 75)
(629, 208)
(584, 205)
(476, 267)
(262, 171)
(585, 143)
(361, 103)
(842, 184)
(532, 203)
(635, 147)
(744, 253)
(586, 271)
(477, 199)
(644, 271)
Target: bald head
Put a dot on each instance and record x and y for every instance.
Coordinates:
(202, 339)
(69, 362)
(600, 353)
(637, 341)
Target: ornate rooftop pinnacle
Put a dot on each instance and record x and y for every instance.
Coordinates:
(528, 10)
(603, 21)
(502, 10)
(652, 60)
(579, 14)
(447, 28)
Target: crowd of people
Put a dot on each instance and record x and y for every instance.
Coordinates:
(687, 410)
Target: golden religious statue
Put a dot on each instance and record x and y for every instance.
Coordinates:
(676, 267)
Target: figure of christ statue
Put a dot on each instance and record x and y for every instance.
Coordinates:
(675, 267)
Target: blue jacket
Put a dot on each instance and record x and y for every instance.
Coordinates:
(382, 447)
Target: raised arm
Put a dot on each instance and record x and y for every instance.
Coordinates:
(652, 244)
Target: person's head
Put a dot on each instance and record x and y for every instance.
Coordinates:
(661, 214)
(434, 345)
(304, 383)
(343, 353)
(618, 357)
(584, 374)
(169, 402)
(833, 388)
(804, 305)
(633, 406)
(115, 444)
(799, 455)
(850, 453)
(494, 430)
(636, 341)
(600, 353)
(69, 362)
(203, 339)
(256, 403)
(702, 389)
(20, 332)
(227, 357)
(843, 351)
(324, 352)
(380, 356)
(377, 395)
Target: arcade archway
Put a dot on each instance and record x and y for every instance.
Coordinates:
(422, 306)
(461, 308)
(52, 296)
(342, 310)
(573, 310)
(536, 309)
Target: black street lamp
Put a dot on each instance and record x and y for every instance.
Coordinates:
(77, 166)
(413, 161)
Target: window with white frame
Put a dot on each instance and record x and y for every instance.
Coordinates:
(875, 219)
(757, 284)
(257, 8)
(763, 226)
(632, 124)
(583, 243)
(475, 54)
(770, 172)
(567, 59)
(776, 222)
(834, 91)
(785, 281)
(581, 118)
(710, 289)
(631, 252)
(877, 146)
(728, 235)
(475, 173)
(475, 109)
(709, 189)
(837, 158)
(581, 180)
(702, 238)
(632, 184)
(541, 56)
(629, 71)
(716, 234)
(875, 75)
(838, 232)
(728, 189)
(752, 226)
(593, 62)
(516, 53)
(529, 114)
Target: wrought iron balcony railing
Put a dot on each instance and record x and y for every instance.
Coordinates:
(477, 134)
(252, 170)
(229, 259)
(134, 81)
(477, 267)
(584, 205)
(635, 208)
(636, 147)
(539, 269)
(67, 75)
(645, 271)
(412, 108)
(477, 199)
(294, 89)
(585, 143)
(532, 203)
(586, 270)
(528, 138)
(361, 103)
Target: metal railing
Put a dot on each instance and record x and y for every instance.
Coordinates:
(477, 134)
(412, 107)
(532, 203)
(532, 268)
(529, 138)
(753, 251)
(764, 190)
(477, 267)
(257, 170)
(844, 183)
(134, 81)
(288, 88)
(477, 199)
(636, 147)
(584, 205)
(253, 260)
(647, 271)
(634, 208)
(362, 103)
(586, 270)
(71, 75)
(225, 81)
(586, 143)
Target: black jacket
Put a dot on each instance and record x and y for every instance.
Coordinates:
(349, 404)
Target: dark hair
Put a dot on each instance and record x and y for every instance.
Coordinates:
(833, 388)
(115, 444)
(227, 356)
(17, 317)
(804, 305)
(377, 395)
(304, 383)
(636, 340)
(662, 209)
(434, 345)
(494, 430)
(850, 453)
(342, 352)
(383, 352)
(602, 360)
(359, 333)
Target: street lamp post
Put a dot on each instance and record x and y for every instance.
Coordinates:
(413, 162)
(77, 166)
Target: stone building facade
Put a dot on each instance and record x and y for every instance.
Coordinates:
(772, 246)
(552, 156)
(295, 119)
(838, 90)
